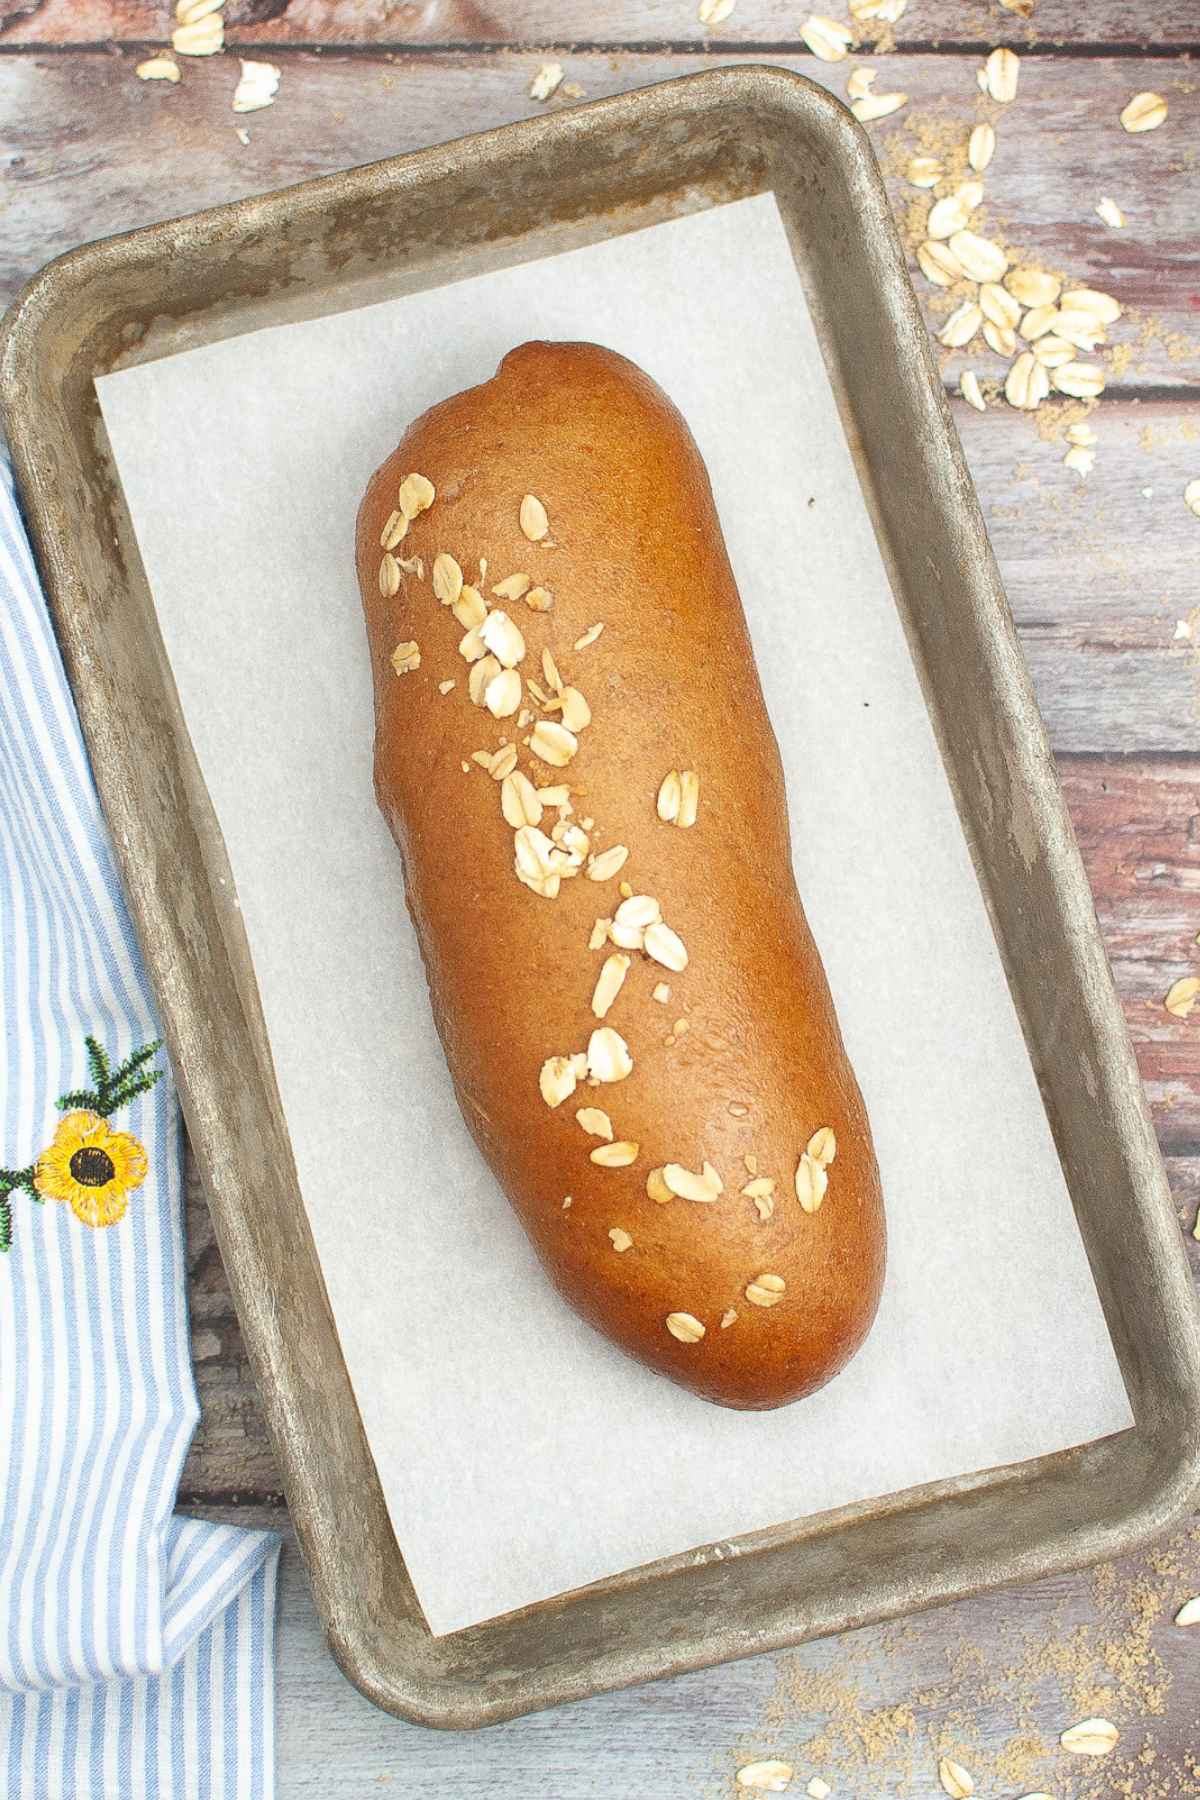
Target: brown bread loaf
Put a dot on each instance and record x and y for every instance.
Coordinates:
(634, 1014)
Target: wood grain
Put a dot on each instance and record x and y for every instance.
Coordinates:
(92, 150)
(1138, 824)
(1096, 573)
(1171, 24)
(993, 1681)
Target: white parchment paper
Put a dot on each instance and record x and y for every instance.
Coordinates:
(521, 1456)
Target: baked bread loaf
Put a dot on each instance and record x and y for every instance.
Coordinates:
(574, 756)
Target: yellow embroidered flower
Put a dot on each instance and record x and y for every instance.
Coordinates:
(90, 1167)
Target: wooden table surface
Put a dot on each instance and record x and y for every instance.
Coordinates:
(1098, 574)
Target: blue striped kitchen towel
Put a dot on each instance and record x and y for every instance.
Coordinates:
(136, 1648)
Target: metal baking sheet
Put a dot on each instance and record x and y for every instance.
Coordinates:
(621, 164)
(271, 668)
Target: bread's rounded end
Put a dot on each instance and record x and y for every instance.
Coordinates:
(766, 1387)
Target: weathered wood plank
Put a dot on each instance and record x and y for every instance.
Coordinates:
(1138, 824)
(992, 1681)
(1171, 24)
(91, 150)
(1098, 571)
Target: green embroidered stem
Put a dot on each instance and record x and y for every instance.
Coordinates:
(19, 1178)
(130, 1088)
(97, 1062)
(114, 1087)
(10, 1181)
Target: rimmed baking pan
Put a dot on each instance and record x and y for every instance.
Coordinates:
(414, 223)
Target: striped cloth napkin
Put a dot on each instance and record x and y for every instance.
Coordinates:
(136, 1648)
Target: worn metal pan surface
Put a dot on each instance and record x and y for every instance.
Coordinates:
(415, 222)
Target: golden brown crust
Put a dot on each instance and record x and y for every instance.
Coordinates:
(758, 1067)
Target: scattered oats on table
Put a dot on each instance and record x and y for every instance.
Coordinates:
(999, 338)
(1091, 1737)
(1002, 72)
(1033, 287)
(886, 12)
(939, 264)
(924, 171)
(257, 88)
(955, 1780)
(546, 80)
(1082, 381)
(158, 68)
(199, 28)
(1145, 112)
(1037, 322)
(953, 211)
(827, 38)
(979, 257)
(999, 306)
(1182, 996)
(961, 326)
(1027, 383)
(981, 147)
(877, 106)
(768, 1777)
